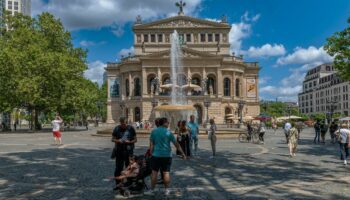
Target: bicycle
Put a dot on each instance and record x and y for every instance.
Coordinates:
(245, 137)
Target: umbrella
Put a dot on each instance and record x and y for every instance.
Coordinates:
(228, 115)
(263, 118)
(345, 119)
(248, 118)
(230, 118)
(191, 87)
(168, 86)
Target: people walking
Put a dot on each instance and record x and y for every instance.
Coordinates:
(343, 139)
(183, 138)
(332, 129)
(286, 128)
(299, 126)
(250, 131)
(194, 128)
(292, 140)
(160, 146)
(317, 127)
(124, 137)
(262, 130)
(211, 131)
(324, 129)
(56, 129)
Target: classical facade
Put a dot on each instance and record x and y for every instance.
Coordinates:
(139, 82)
(324, 92)
(17, 6)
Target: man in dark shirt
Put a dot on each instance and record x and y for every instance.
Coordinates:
(124, 137)
(332, 129)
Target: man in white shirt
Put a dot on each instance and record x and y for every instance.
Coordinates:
(343, 139)
(287, 127)
(56, 126)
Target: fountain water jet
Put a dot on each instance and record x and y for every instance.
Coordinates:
(178, 109)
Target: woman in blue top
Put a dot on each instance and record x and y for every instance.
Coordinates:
(160, 145)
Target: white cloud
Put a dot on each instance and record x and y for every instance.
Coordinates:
(289, 86)
(86, 43)
(126, 52)
(96, 71)
(263, 80)
(305, 56)
(91, 14)
(267, 50)
(240, 31)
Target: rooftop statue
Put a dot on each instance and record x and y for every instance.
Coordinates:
(181, 6)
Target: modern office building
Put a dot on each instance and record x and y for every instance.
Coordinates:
(18, 6)
(226, 80)
(324, 92)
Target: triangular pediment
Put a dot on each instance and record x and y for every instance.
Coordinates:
(186, 53)
(181, 22)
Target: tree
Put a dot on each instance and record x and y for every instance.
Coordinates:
(339, 46)
(39, 66)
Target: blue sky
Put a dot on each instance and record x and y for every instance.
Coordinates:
(284, 36)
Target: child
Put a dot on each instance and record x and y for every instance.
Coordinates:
(131, 171)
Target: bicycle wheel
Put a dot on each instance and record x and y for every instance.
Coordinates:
(242, 137)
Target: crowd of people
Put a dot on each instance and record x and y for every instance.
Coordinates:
(161, 139)
(185, 140)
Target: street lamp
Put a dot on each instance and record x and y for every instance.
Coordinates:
(289, 108)
(332, 108)
(98, 117)
(241, 104)
(207, 104)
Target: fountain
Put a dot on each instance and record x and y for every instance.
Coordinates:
(178, 109)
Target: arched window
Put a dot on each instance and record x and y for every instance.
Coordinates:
(196, 81)
(114, 88)
(127, 88)
(166, 80)
(137, 87)
(227, 87)
(211, 85)
(137, 114)
(151, 84)
(237, 88)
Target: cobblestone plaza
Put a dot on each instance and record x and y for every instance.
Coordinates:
(32, 168)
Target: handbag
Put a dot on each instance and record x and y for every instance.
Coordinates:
(114, 153)
(210, 134)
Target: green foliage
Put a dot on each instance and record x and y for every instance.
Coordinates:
(338, 46)
(277, 109)
(41, 70)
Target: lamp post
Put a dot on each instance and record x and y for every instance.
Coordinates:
(98, 117)
(207, 104)
(332, 108)
(289, 108)
(241, 104)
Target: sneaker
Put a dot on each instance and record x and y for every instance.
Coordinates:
(345, 162)
(211, 157)
(149, 193)
(167, 192)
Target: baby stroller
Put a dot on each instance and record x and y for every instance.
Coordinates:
(136, 185)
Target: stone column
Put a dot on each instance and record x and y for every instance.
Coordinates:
(160, 80)
(219, 83)
(131, 86)
(234, 85)
(144, 82)
(204, 82)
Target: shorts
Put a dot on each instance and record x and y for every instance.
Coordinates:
(57, 134)
(160, 163)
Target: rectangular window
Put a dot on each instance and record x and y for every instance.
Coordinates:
(202, 37)
(153, 38)
(160, 37)
(188, 37)
(210, 37)
(217, 37)
(9, 5)
(138, 38)
(145, 37)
